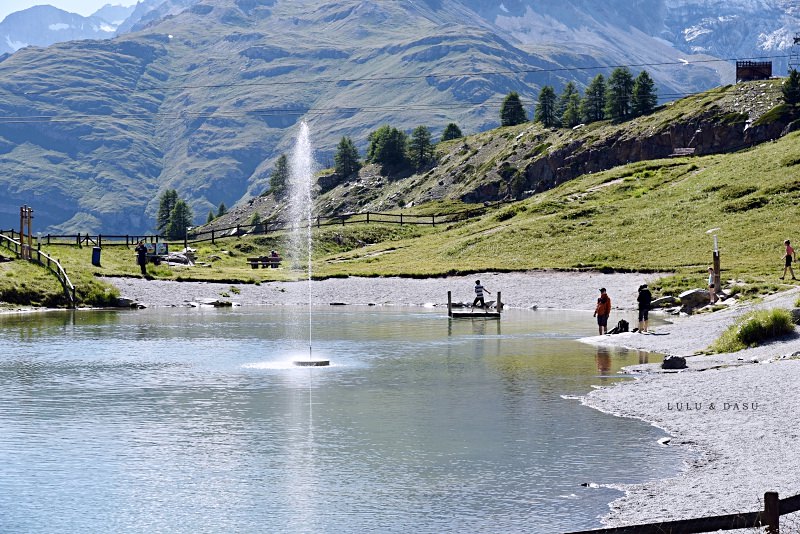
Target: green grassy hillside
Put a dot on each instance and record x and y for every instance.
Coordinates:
(649, 216)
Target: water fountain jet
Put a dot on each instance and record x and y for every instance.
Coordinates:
(301, 203)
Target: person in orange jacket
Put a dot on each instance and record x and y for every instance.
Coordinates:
(602, 311)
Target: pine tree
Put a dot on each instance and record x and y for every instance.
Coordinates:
(256, 223)
(387, 147)
(420, 148)
(279, 179)
(594, 100)
(618, 94)
(572, 112)
(645, 97)
(166, 204)
(791, 88)
(546, 107)
(179, 221)
(222, 209)
(512, 112)
(569, 95)
(451, 131)
(345, 160)
(210, 217)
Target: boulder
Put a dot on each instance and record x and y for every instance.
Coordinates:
(664, 302)
(694, 298)
(674, 362)
(795, 315)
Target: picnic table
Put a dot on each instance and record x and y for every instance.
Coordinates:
(272, 262)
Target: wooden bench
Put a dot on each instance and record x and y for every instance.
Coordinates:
(265, 261)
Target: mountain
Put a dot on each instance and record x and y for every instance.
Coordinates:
(203, 97)
(45, 25)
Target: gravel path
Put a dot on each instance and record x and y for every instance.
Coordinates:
(737, 414)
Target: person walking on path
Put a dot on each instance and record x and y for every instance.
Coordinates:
(644, 299)
(602, 311)
(788, 257)
(712, 287)
(479, 290)
(141, 257)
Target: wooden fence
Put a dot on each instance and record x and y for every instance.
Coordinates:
(266, 227)
(37, 256)
(769, 518)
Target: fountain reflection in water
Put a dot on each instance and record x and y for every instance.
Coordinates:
(301, 203)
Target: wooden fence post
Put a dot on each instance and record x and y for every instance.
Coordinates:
(772, 513)
(449, 303)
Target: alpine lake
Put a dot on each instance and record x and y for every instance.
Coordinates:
(182, 420)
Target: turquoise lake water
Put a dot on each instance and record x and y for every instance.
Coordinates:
(195, 420)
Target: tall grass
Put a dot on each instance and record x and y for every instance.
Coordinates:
(754, 329)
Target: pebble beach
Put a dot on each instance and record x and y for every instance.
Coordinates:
(736, 417)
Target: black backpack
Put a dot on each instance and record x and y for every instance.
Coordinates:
(622, 326)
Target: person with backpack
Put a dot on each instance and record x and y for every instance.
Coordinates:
(645, 298)
(602, 311)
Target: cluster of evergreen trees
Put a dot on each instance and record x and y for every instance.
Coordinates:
(174, 215)
(394, 150)
(619, 98)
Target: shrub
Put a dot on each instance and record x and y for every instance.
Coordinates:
(753, 329)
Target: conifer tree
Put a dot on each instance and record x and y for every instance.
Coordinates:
(210, 217)
(420, 148)
(451, 131)
(791, 88)
(387, 147)
(222, 209)
(568, 107)
(618, 94)
(546, 107)
(345, 160)
(165, 206)
(279, 179)
(512, 112)
(256, 223)
(644, 98)
(594, 100)
(179, 221)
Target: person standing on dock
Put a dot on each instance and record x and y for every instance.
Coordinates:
(602, 311)
(479, 290)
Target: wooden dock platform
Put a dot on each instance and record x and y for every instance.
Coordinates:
(477, 314)
(474, 313)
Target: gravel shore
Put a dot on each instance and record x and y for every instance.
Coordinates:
(737, 414)
(543, 289)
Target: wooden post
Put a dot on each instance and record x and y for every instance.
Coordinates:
(367, 217)
(499, 304)
(716, 265)
(771, 519)
(449, 303)
(30, 232)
